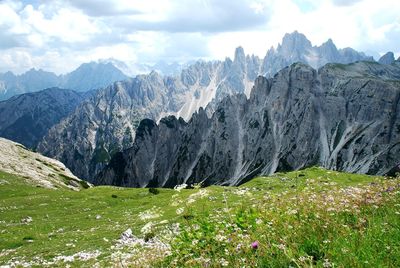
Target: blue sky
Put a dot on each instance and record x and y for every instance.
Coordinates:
(59, 35)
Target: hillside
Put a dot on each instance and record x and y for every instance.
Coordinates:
(311, 217)
(35, 169)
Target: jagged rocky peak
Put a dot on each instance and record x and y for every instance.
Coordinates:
(342, 117)
(294, 43)
(388, 58)
(295, 47)
(329, 50)
(239, 55)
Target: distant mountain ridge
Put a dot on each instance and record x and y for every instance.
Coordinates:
(106, 124)
(27, 118)
(86, 77)
(295, 47)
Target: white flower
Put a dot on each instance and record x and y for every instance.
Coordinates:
(147, 228)
(223, 262)
(179, 211)
(220, 238)
(327, 264)
(152, 213)
(281, 246)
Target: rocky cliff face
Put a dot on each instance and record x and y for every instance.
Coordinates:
(105, 124)
(26, 118)
(152, 96)
(342, 117)
(388, 58)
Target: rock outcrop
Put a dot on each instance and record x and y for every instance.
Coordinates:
(36, 169)
(341, 117)
(388, 58)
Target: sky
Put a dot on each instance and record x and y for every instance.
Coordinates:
(59, 35)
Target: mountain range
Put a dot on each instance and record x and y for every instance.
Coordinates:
(106, 124)
(342, 117)
(87, 131)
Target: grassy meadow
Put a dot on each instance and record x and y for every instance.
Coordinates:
(307, 218)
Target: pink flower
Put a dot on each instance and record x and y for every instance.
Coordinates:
(254, 245)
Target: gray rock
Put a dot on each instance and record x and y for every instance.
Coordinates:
(388, 58)
(296, 47)
(342, 117)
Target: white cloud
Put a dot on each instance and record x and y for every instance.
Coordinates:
(59, 35)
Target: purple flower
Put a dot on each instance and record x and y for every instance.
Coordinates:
(390, 189)
(254, 245)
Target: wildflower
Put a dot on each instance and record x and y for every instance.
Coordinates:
(303, 259)
(390, 189)
(255, 245)
(147, 228)
(152, 213)
(223, 262)
(326, 263)
(281, 246)
(220, 238)
(179, 211)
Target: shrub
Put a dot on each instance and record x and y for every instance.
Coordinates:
(154, 191)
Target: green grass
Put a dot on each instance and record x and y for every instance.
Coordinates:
(306, 218)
